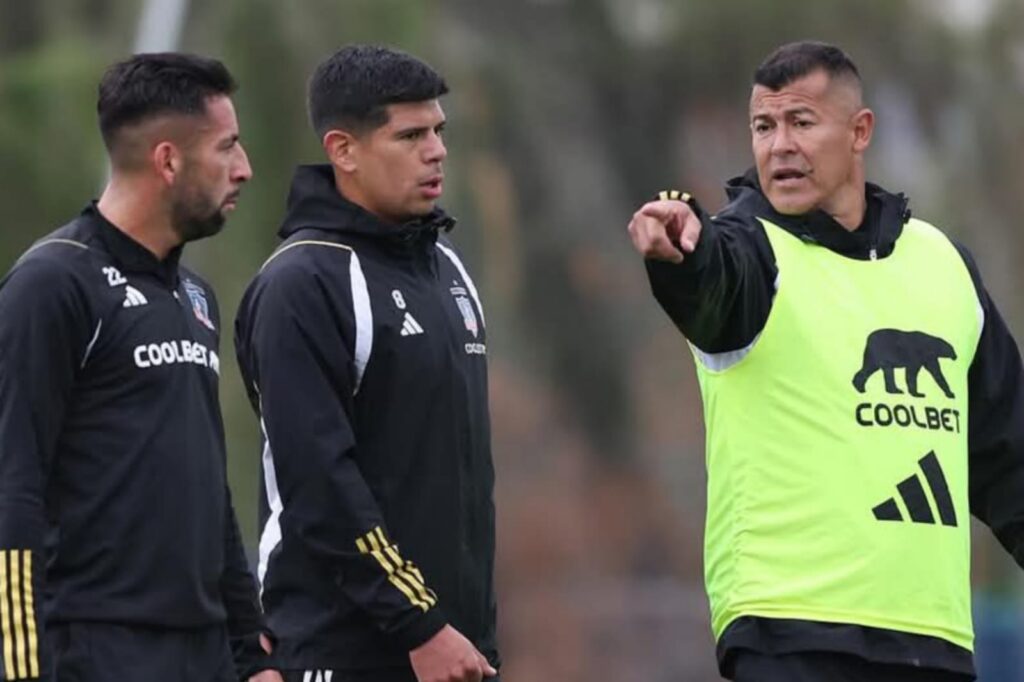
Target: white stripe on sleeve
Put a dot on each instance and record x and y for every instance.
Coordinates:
(364, 319)
(271, 536)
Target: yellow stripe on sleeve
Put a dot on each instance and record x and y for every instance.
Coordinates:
(395, 575)
(411, 567)
(5, 619)
(402, 567)
(374, 550)
(30, 616)
(16, 624)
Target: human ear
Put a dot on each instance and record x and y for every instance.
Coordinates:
(167, 161)
(863, 124)
(342, 150)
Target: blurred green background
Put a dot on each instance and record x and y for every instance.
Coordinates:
(564, 116)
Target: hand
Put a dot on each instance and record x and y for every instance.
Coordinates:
(659, 226)
(266, 675)
(449, 657)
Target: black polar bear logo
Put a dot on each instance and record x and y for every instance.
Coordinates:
(888, 349)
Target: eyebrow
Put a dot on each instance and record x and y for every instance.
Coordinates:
(787, 112)
(417, 129)
(410, 129)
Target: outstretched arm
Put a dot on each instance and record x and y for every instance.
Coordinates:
(715, 277)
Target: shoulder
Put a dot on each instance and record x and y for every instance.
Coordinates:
(54, 264)
(72, 252)
(302, 263)
(935, 236)
(924, 229)
(309, 255)
(303, 274)
(51, 281)
(443, 241)
(67, 247)
(450, 252)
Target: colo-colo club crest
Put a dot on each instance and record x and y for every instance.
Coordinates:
(200, 307)
(888, 350)
(466, 308)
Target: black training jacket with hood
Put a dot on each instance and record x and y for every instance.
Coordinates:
(720, 297)
(363, 348)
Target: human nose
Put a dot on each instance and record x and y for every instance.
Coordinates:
(436, 151)
(243, 171)
(782, 141)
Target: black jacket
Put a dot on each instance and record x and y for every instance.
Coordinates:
(720, 297)
(113, 477)
(363, 349)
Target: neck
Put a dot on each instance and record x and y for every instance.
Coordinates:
(351, 192)
(851, 215)
(849, 204)
(137, 211)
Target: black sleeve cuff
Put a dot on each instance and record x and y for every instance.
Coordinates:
(420, 630)
(250, 658)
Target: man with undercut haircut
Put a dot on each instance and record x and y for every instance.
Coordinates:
(120, 556)
(862, 394)
(362, 343)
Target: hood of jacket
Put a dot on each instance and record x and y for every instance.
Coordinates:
(875, 237)
(314, 203)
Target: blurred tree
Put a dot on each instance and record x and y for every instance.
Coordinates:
(22, 26)
(51, 160)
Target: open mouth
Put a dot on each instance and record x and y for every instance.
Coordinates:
(787, 174)
(433, 187)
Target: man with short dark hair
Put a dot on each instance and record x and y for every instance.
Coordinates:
(363, 346)
(120, 556)
(862, 396)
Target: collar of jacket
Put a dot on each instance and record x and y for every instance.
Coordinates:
(130, 255)
(315, 203)
(876, 237)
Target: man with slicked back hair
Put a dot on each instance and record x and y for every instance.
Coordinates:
(120, 556)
